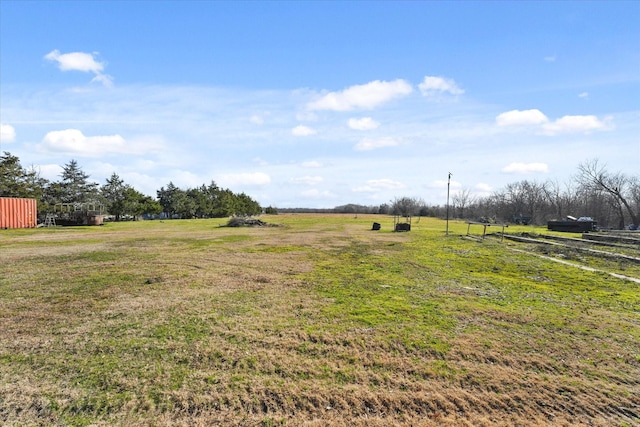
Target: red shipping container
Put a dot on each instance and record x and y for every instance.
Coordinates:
(18, 213)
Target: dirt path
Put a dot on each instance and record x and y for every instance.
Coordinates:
(582, 267)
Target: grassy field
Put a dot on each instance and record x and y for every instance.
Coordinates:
(317, 322)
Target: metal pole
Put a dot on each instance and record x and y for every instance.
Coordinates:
(448, 185)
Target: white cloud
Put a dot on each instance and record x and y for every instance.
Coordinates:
(566, 124)
(440, 183)
(183, 178)
(317, 194)
(483, 188)
(103, 79)
(255, 178)
(260, 161)
(432, 85)
(366, 96)
(367, 144)
(143, 165)
(521, 118)
(524, 168)
(551, 58)
(307, 180)
(364, 123)
(302, 130)
(375, 185)
(576, 124)
(312, 164)
(147, 184)
(73, 141)
(7, 133)
(583, 95)
(256, 119)
(80, 61)
(50, 171)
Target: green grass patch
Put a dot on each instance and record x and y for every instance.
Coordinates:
(190, 322)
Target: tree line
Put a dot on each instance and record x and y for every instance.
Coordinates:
(118, 198)
(611, 198)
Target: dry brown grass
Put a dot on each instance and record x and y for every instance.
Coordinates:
(318, 323)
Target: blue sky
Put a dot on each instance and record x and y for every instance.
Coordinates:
(318, 104)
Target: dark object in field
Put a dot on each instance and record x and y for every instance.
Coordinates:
(572, 225)
(403, 226)
(376, 226)
(245, 222)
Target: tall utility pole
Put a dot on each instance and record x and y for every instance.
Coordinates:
(448, 185)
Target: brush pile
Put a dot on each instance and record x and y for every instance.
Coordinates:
(245, 222)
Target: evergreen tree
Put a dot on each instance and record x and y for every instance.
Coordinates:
(169, 199)
(140, 204)
(16, 181)
(115, 193)
(75, 186)
(247, 206)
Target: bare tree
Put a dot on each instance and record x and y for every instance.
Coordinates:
(553, 197)
(559, 202)
(515, 200)
(634, 191)
(461, 199)
(533, 198)
(406, 206)
(617, 186)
